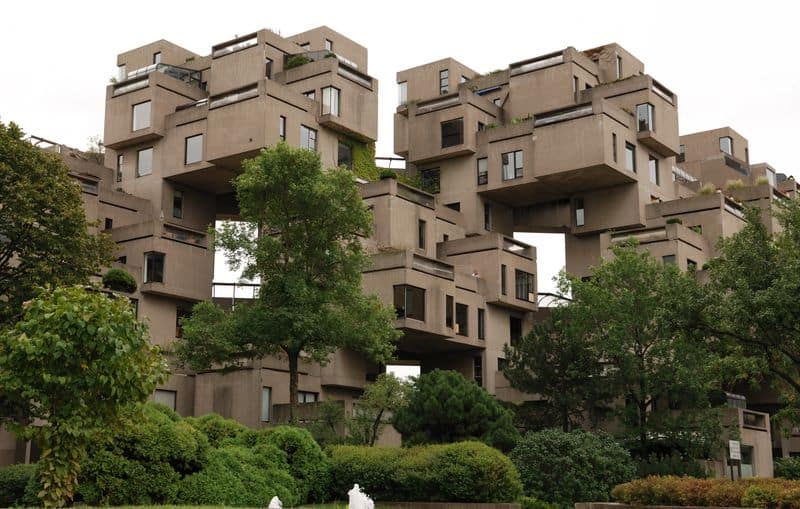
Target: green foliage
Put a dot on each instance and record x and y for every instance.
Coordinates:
(459, 472)
(13, 480)
(388, 174)
(787, 468)
(296, 61)
(44, 230)
(762, 180)
(733, 185)
(381, 399)
(216, 427)
(364, 161)
(329, 426)
(119, 280)
(707, 189)
(443, 406)
(239, 476)
(674, 220)
(309, 265)
(307, 463)
(535, 503)
(670, 464)
(74, 362)
(564, 468)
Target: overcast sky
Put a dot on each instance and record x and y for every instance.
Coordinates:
(730, 63)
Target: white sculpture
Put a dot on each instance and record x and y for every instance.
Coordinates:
(359, 499)
(275, 503)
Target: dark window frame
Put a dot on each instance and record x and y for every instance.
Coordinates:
(630, 148)
(481, 323)
(503, 280)
(282, 127)
(462, 319)
(402, 312)
(349, 153)
(518, 164)
(455, 138)
(652, 168)
(139, 161)
(151, 270)
(444, 81)
(332, 103)
(580, 212)
(310, 137)
(483, 176)
(422, 231)
(449, 311)
(648, 123)
(186, 142)
(430, 183)
(120, 162)
(149, 116)
(177, 203)
(524, 281)
(730, 139)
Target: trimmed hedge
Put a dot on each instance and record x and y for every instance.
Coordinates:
(119, 280)
(565, 468)
(683, 491)
(787, 468)
(13, 480)
(216, 428)
(459, 472)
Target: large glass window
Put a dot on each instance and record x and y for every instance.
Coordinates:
(452, 133)
(726, 145)
(580, 212)
(512, 165)
(449, 308)
(177, 204)
(345, 155)
(524, 282)
(330, 101)
(308, 138)
(409, 302)
(514, 330)
(144, 162)
(431, 180)
(462, 315)
(194, 149)
(481, 323)
(166, 398)
(444, 81)
(645, 117)
(141, 116)
(630, 157)
(120, 160)
(266, 403)
(652, 165)
(483, 171)
(153, 267)
(307, 397)
(402, 93)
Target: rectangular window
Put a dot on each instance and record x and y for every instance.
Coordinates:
(144, 162)
(691, 265)
(266, 403)
(282, 128)
(153, 267)
(108, 224)
(409, 302)
(345, 156)
(157, 57)
(122, 73)
(483, 171)
(681, 154)
(576, 86)
(402, 93)
(726, 145)
(449, 307)
(141, 116)
(166, 398)
(645, 117)
(487, 217)
(481, 323)
(180, 314)
(619, 67)
(177, 204)
(307, 397)
(268, 68)
(431, 180)
(503, 285)
(668, 260)
(652, 165)
(193, 150)
(452, 133)
(308, 138)
(462, 313)
(512, 165)
(614, 146)
(524, 283)
(580, 212)
(311, 94)
(502, 364)
(120, 160)
(330, 101)
(477, 370)
(421, 234)
(630, 157)
(328, 45)
(444, 81)
(514, 330)
(771, 177)
(481, 126)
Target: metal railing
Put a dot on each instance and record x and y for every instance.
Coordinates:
(189, 76)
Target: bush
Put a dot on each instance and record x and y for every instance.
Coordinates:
(388, 174)
(732, 185)
(707, 189)
(119, 280)
(460, 472)
(296, 61)
(535, 503)
(446, 407)
(565, 468)
(787, 468)
(216, 428)
(13, 480)
(307, 463)
(673, 464)
(674, 220)
(760, 181)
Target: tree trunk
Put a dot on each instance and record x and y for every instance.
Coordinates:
(293, 377)
(375, 428)
(565, 420)
(643, 428)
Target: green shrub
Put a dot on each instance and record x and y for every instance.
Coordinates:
(308, 465)
(535, 503)
(688, 491)
(216, 428)
(459, 472)
(565, 468)
(673, 464)
(760, 181)
(446, 407)
(238, 476)
(13, 480)
(732, 185)
(388, 174)
(674, 220)
(787, 468)
(296, 61)
(119, 280)
(707, 189)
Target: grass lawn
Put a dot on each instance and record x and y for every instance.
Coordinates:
(332, 505)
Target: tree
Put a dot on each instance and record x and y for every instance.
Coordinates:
(43, 230)
(70, 366)
(308, 258)
(755, 308)
(555, 361)
(381, 399)
(644, 320)
(443, 406)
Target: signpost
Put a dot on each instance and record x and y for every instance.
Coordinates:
(735, 453)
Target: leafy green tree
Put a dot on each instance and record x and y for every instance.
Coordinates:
(380, 401)
(43, 229)
(70, 366)
(443, 406)
(308, 257)
(755, 307)
(555, 361)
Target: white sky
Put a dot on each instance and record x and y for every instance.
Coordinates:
(729, 62)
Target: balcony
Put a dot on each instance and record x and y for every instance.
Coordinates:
(188, 76)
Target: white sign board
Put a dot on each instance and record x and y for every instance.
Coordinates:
(735, 449)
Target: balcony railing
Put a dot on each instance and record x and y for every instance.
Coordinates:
(237, 45)
(432, 267)
(130, 87)
(415, 196)
(553, 117)
(240, 95)
(680, 175)
(184, 235)
(541, 62)
(353, 75)
(188, 76)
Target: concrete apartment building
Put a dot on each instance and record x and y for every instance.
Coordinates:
(582, 143)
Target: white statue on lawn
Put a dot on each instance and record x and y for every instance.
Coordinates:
(275, 503)
(359, 499)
